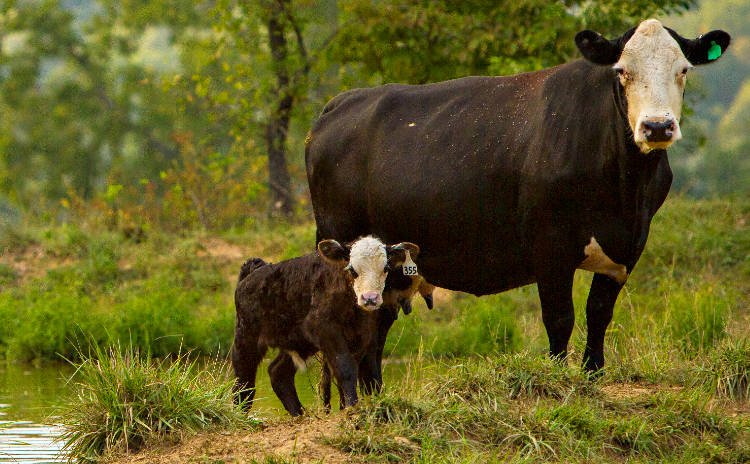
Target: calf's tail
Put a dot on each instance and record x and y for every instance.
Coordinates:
(249, 266)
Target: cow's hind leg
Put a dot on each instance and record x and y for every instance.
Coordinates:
(556, 296)
(281, 371)
(599, 307)
(247, 354)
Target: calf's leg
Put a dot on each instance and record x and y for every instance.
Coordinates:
(325, 385)
(371, 366)
(247, 354)
(343, 366)
(599, 307)
(281, 371)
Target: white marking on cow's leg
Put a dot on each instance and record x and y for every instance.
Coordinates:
(598, 261)
(299, 363)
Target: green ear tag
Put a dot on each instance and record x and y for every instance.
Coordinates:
(714, 52)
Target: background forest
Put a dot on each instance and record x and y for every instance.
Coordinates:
(182, 114)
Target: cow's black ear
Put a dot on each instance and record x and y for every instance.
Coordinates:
(333, 252)
(597, 49)
(397, 253)
(705, 49)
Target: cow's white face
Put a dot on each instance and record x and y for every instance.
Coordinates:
(368, 261)
(653, 71)
(652, 62)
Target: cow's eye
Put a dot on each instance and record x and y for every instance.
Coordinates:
(684, 70)
(351, 270)
(620, 71)
(387, 268)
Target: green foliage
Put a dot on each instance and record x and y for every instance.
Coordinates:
(123, 398)
(427, 41)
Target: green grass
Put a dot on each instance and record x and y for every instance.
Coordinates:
(159, 294)
(478, 387)
(688, 293)
(123, 399)
(524, 408)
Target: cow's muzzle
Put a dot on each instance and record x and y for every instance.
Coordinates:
(659, 131)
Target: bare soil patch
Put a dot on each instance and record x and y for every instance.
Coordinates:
(624, 391)
(32, 262)
(301, 439)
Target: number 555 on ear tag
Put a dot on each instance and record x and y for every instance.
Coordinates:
(409, 266)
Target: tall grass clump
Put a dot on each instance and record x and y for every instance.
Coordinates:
(123, 398)
(728, 370)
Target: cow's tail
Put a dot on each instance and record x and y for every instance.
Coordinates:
(249, 266)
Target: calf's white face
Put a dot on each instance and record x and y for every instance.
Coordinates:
(368, 261)
(653, 70)
(651, 63)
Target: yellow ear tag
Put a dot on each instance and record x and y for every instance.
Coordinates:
(409, 266)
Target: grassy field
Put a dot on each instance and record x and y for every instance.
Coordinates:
(477, 389)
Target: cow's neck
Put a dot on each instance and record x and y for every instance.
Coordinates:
(638, 174)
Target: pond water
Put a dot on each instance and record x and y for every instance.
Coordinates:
(29, 396)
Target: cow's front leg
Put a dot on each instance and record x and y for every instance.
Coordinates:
(370, 374)
(599, 307)
(556, 296)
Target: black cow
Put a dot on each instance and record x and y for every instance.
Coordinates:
(507, 181)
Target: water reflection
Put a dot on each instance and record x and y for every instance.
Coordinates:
(27, 395)
(26, 442)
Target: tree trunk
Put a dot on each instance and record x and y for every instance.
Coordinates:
(278, 122)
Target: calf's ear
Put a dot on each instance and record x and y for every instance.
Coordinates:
(397, 253)
(333, 252)
(705, 49)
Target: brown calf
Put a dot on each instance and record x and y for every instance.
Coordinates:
(324, 301)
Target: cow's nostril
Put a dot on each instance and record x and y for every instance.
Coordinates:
(659, 131)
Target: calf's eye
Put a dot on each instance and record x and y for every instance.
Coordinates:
(351, 271)
(387, 268)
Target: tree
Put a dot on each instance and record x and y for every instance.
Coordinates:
(82, 98)
(420, 41)
(270, 52)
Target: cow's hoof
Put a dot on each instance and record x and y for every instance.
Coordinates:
(594, 366)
